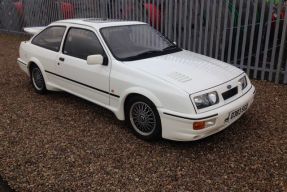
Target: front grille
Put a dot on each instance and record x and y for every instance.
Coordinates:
(230, 93)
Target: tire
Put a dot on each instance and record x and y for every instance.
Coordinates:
(143, 118)
(40, 12)
(37, 80)
(9, 16)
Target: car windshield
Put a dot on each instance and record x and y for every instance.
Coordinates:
(133, 42)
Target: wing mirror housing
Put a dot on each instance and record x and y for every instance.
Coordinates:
(95, 60)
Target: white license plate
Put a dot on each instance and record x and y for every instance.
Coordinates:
(234, 114)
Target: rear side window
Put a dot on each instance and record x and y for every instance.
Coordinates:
(50, 38)
(81, 43)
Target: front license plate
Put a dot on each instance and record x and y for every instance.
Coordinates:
(234, 114)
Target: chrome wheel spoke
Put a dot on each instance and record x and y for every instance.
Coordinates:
(142, 118)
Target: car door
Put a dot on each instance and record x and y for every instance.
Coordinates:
(46, 47)
(75, 75)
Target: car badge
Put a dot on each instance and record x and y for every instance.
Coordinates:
(229, 86)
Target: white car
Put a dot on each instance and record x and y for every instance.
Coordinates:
(131, 69)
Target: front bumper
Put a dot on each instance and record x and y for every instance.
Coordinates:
(179, 127)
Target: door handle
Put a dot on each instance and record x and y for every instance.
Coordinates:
(62, 59)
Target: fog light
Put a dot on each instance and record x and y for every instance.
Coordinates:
(203, 124)
(199, 125)
(210, 123)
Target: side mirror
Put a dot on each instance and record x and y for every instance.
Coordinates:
(95, 60)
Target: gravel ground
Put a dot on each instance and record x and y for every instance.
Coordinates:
(58, 142)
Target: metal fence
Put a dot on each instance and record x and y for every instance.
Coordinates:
(250, 34)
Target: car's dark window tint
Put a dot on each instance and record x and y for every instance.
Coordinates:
(50, 38)
(81, 43)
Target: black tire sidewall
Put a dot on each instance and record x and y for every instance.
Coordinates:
(156, 134)
(43, 90)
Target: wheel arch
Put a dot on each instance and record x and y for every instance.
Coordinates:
(34, 61)
(153, 103)
(137, 92)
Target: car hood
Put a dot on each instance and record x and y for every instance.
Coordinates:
(189, 71)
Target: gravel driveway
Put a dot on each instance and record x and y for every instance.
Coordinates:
(58, 142)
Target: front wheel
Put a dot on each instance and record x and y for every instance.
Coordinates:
(37, 80)
(143, 118)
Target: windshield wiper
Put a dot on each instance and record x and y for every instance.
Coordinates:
(152, 53)
(144, 54)
(172, 47)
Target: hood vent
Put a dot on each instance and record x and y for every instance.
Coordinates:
(179, 77)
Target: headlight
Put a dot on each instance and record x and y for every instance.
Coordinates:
(243, 82)
(206, 100)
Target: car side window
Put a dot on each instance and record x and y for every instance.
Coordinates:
(50, 38)
(81, 43)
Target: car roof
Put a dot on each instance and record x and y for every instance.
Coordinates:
(98, 23)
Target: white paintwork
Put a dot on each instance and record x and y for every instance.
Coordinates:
(168, 81)
(33, 30)
(95, 60)
(209, 72)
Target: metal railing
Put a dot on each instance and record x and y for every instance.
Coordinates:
(250, 34)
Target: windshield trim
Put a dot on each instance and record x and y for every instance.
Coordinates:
(178, 49)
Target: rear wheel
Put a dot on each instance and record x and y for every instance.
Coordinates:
(37, 80)
(143, 118)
